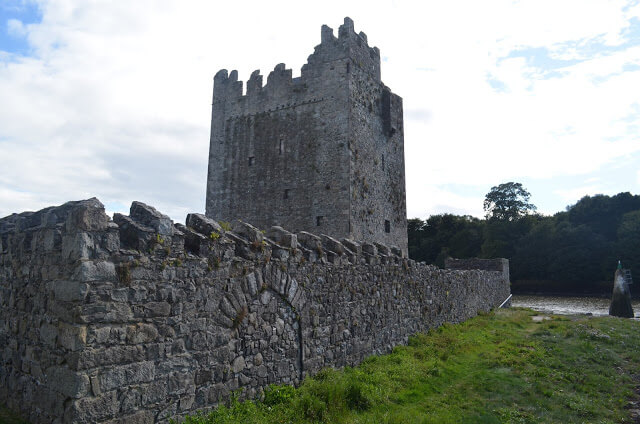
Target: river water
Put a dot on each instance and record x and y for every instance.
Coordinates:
(569, 305)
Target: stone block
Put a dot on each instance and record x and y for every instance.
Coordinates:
(203, 376)
(125, 375)
(101, 357)
(134, 235)
(332, 244)
(106, 312)
(52, 239)
(180, 383)
(353, 246)
(238, 364)
(86, 215)
(252, 284)
(157, 309)
(258, 359)
(248, 231)
(150, 217)
(191, 239)
(70, 383)
(292, 290)
(283, 237)
(186, 402)
(382, 249)
(76, 246)
(395, 250)
(70, 291)
(95, 386)
(141, 333)
(72, 337)
(94, 271)
(155, 391)
(48, 334)
(262, 371)
(203, 225)
(310, 241)
(280, 253)
(218, 392)
(369, 248)
(93, 409)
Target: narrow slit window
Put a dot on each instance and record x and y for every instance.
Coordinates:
(319, 220)
(252, 160)
(281, 146)
(383, 162)
(286, 193)
(387, 226)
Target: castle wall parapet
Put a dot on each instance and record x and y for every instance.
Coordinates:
(140, 319)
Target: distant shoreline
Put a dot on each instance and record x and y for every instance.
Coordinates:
(599, 294)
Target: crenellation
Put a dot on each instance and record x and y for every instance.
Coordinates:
(279, 81)
(254, 84)
(331, 52)
(326, 35)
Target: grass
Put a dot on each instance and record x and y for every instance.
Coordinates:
(8, 417)
(501, 367)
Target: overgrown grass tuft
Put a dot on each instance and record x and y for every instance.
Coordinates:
(8, 417)
(501, 367)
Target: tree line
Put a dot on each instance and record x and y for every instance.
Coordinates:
(574, 251)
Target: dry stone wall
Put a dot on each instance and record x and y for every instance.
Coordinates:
(137, 320)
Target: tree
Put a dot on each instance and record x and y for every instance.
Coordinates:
(628, 243)
(507, 202)
(602, 213)
(444, 235)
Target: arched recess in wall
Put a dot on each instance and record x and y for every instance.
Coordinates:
(265, 327)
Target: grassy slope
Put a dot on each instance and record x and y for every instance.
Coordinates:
(497, 368)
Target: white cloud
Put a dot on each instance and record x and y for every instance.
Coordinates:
(569, 195)
(15, 28)
(116, 100)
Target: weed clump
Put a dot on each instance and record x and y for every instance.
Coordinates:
(123, 271)
(240, 316)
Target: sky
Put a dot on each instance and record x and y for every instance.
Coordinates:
(112, 98)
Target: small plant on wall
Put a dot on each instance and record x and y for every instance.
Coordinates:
(240, 316)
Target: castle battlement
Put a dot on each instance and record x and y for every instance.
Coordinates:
(348, 46)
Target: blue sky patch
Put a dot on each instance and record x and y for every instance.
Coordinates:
(23, 11)
(539, 57)
(496, 84)
(546, 59)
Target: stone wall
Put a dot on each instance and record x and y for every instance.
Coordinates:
(137, 320)
(499, 264)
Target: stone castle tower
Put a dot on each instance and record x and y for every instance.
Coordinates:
(322, 153)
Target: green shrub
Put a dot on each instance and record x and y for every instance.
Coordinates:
(276, 395)
(355, 397)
